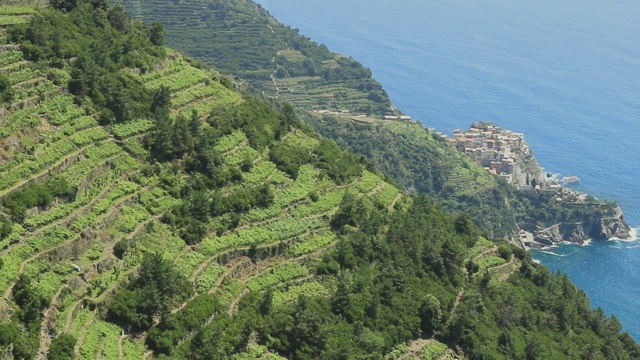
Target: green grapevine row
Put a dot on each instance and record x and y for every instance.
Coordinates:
(132, 128)
(10, 57)
(325, 202)
(292, 294)
(6, 20)
(22, 75)
(278, 275)
(22, 119)
(313, 244)
(227, 143)
(89, 136)
(16, 10)
(207, 279)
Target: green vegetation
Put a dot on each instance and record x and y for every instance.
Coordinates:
(424, 163)
(243, 39)
(384, 276)
(54, 37)
(217, 226)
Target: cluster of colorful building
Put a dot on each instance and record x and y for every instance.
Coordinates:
(496, 149)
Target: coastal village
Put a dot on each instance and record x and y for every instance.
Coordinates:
(501, 152)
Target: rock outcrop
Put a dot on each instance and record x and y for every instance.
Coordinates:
(608, 226)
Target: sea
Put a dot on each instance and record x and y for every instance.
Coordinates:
(566, 73)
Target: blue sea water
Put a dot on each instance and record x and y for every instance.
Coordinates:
(566, 73)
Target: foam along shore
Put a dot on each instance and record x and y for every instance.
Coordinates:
(633, 236)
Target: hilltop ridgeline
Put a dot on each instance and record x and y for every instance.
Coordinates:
(150, 210)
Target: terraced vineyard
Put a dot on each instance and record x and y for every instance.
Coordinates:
(227, 35)
(14, 14)
(67, 247)
(150, 210)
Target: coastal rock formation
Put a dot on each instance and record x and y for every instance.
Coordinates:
(550, 212)
(612, 227)
(610, 224)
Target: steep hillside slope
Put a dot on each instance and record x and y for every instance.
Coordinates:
(149, 210)
(103, 204)
(241, 38)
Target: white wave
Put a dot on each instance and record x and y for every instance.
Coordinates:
(552, 253)
(586, 243)
(633, 236)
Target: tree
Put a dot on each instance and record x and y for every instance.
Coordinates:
(6, 91)
(121, 248)
(62, 347)
(6, 226)
(430, 314)
(64, 5)
(156, 34)
(156, 289)
(119, 18)
(160, 139)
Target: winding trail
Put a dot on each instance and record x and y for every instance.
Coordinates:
(83, 333)
(395, 200)
(456, 303)
(120, 349)
(45, 338)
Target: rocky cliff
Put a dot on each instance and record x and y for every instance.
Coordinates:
(599, 221)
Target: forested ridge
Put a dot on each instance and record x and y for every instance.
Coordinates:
(150, 210)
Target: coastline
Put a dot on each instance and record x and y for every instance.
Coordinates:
(633, 236)
(548, 249)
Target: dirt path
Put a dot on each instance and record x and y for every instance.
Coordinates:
(504, 271)
(120, 349)
(45, 338)
(456, 303)
(69, 320)
(195, 102)
(375, 190)
(235, 148)
(222, 277)
(273, 60)
(395, 200)
(43, 172)
(490, 250)
(24, 263)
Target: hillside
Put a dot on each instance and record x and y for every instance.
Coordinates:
(150, 210)
(243, 39)
(422, 161)
(111, 197)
